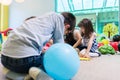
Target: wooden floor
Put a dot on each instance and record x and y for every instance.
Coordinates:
(102, 68)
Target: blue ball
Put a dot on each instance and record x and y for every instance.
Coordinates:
(61, 61)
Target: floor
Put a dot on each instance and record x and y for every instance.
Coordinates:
(102, 68)
(106, 67)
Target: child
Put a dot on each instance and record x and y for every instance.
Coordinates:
(22, 50)
(88, 39)
(74, 39)
(119, 46)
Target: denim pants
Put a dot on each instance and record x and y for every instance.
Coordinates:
(22, 65)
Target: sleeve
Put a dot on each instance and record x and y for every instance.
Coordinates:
(58, 33)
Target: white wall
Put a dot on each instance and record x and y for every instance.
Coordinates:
(18, 12)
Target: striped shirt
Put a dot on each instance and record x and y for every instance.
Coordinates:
(94, 47)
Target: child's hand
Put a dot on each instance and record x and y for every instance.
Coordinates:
(86, 55)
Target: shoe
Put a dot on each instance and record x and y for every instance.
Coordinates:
(28, 77)
(38, 74)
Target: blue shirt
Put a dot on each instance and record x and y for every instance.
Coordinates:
(29, 39)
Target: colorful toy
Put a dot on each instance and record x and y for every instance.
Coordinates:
(61, 61)
(100, 37)
(5, 33)
(107, 49)
(47, 46)
(100, 44)
(114, 45)
(105, 41)
(84, 59)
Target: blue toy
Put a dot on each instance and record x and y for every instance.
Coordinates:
(61, 61)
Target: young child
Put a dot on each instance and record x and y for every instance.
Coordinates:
(23, 48)
(74, 39)
(119, 46)
(88, 39)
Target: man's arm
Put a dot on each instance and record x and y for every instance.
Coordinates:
(58, 32)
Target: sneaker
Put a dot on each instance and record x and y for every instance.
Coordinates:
(38, 74)
(28, 77)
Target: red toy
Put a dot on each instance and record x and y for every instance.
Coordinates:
(5, 32)
(100, 44)
(46, 46)
(114, 45)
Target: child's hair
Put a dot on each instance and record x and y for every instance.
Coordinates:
(69, 19)
(119, 47)
(30, 18)
(116, 38)
(69, 38)
(87, 25)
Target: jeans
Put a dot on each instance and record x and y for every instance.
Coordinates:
(22, 65)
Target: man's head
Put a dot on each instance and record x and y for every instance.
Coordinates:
(70, 22)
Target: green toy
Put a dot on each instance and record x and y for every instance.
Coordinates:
(107, 49)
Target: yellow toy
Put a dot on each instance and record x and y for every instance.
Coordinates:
(105, 41)
(84, 59)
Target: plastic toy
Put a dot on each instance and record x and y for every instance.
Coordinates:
(114, 45)
(47, 46)
(84, 59)
(61, 61)
(100, 44)
(5, 33)
(105, 41)
(107, 49)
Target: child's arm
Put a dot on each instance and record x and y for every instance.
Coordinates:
(79, 38)
(90, 43)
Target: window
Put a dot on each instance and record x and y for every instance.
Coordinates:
(78, 4)
(110, 3)
(87, 4)
(62, 5)
(98, 3)
(100, 12)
